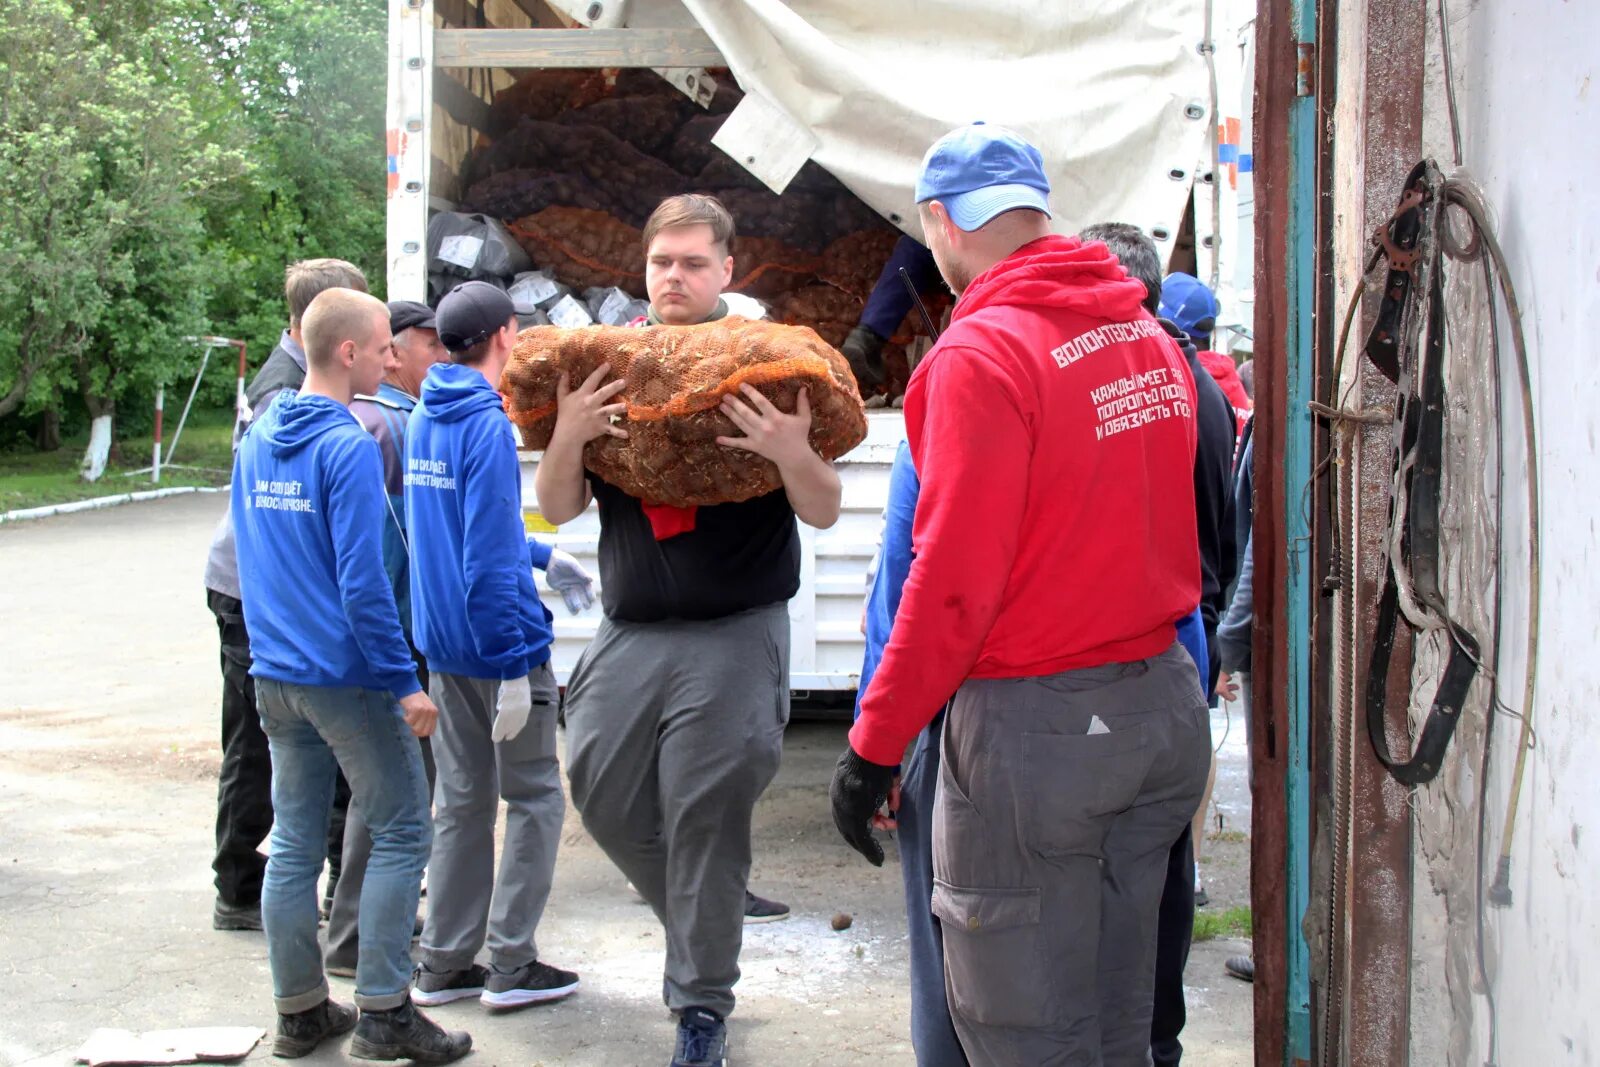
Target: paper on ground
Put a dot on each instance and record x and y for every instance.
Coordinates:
(208, 1044)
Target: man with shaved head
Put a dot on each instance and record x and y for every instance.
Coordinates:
(244, 781)
(336, 687)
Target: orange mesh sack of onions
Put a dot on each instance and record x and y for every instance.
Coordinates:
(676, 379)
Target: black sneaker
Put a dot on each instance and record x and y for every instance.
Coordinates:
(761, 910)
(302, 1032)
(1240, 967)
(404, 1033)
(339, 967)
(537, 983)
(702, 1039)
(432, 988)
(226, 916)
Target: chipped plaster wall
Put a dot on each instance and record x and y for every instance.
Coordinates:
(1530, 125)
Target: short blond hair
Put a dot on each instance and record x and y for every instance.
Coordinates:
(302, 282)
(335, 316)
(691, 209)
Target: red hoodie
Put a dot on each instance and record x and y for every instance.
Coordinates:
(1053, 431)
(1221, 367)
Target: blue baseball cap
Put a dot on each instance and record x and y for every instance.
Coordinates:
(979, 171)
(1189, 304)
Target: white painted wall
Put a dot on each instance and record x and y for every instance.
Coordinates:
(1528, 85)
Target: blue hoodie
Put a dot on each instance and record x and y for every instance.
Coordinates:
(308, 511)
(474, 610)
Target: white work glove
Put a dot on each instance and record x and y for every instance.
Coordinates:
(566, 576)
(511, 709)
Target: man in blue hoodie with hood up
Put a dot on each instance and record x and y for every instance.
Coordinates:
(330, 665)
(478, 620)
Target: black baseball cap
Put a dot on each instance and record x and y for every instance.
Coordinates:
(405, 314)
(470, 313)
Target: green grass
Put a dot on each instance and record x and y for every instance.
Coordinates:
(30, 479)
(1235, 922)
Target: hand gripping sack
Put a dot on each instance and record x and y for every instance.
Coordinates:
(677, 377)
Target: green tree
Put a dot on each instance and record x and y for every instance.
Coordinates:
(163, 160)
(309, 78)
(106, 161)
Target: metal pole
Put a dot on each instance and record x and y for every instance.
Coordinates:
(1300, 280)
(155, 449)
(193, 389)
(239, 401)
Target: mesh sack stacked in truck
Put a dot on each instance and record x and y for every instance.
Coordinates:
(584, 248)
(579, 163)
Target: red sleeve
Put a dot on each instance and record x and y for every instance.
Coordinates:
(966, 417)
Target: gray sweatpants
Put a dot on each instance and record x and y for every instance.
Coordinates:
(1050, 851)
(474, 774)
(674, 730)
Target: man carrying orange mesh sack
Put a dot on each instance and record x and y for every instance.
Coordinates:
(676, 711)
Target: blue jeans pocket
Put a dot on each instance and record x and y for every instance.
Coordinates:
(342, 713)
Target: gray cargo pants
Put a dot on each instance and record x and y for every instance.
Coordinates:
(1050, 851)
(674, 729)
(474, 774)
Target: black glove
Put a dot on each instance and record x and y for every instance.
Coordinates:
(860, 788)
(864, 349)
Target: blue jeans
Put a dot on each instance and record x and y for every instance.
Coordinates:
(315, 731)
(933, 1035)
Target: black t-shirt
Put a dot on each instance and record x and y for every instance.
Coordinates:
(737, 557)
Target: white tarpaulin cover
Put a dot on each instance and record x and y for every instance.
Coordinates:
(1114, 93)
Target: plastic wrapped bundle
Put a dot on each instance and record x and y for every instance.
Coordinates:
(473, 246)
(676, 378)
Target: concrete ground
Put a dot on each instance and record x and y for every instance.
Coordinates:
(108, 755)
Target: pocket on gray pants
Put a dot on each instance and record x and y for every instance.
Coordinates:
(994, 956)
(1077, 783)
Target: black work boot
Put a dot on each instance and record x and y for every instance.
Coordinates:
(404, 1033)
(302, 1032)
(225, 916)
